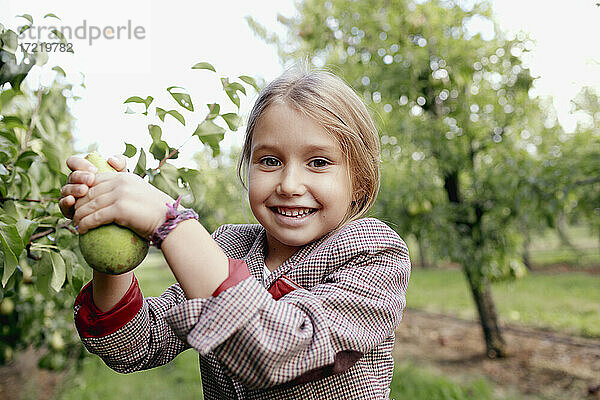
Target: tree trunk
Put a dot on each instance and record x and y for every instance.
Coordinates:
(561, 230)
(526, 253)
(422, 254)
(480, 287)
(494, 342)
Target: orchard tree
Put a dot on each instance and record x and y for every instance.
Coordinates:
(572, 163)
(461, 135)
(41, 266)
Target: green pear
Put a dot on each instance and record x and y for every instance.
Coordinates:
(111, 249)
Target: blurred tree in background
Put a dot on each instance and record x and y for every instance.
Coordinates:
(224, 199)
(466, 144)
(576, 161)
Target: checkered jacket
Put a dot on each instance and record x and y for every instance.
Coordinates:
(321, 326)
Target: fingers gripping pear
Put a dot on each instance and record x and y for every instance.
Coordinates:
(111, 249)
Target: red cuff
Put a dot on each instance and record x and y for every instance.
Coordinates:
(238, 271)
(91, 322)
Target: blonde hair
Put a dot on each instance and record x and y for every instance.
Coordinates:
(329, 101)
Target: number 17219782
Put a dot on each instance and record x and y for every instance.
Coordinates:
(47, 47)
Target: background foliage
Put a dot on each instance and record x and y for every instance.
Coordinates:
(41, 267)
(473, 160)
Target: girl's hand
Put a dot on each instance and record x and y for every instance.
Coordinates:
(125, 199)
(81, 179)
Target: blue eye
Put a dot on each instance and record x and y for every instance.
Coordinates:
(319, 163)
(270, 162)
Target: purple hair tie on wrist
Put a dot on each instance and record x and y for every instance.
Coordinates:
(173, 218)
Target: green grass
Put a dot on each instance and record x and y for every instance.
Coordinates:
(568, 303)
(180, 379)
(418, 383)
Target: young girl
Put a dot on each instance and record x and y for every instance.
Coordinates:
(303, 305)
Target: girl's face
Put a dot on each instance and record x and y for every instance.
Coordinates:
(299, 187)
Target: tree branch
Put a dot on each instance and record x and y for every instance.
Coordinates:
(3, 199)
(587, 181)
(43, 234)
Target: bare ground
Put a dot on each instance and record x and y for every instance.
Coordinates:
(22, 379)
(540, 365)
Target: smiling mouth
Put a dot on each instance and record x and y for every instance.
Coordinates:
(293, 212)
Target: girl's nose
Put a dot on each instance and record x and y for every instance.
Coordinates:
(291, 182)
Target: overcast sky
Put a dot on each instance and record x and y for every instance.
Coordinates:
(159, 42)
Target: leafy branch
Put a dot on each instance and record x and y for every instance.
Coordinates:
(208, 131)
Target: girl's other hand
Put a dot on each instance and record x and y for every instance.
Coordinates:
(125, 199)
(81, 179)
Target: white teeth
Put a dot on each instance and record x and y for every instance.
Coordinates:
(297, 213)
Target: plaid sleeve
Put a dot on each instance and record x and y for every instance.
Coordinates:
(306, 334)
(133, 335)
(146, 341)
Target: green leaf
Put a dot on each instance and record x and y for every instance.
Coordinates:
(159, 149)
(166, 180)
(26, 158)
(174, 113)
(204, 65)
(194, 180)
(148, 101)
(237, 86)
(59, 70)
(26, 227)
(134, 99)
(233, 120)
(27, 17)
(10, 135)
(155, 132)
(51, 15)
(183, 99)
(24, 28)
(161, 113)
(207, 128)
(8, 41)
(43, 273)
(8, 150)
(12, 246)
(129, 111)
(140, 168)
(6, 96)
(231, 89)
(213, 111)
(130, 150)
(210, 134)
(11, 122)
(24, 188)
(59, 35)
(250, 81)
(58, 271)
(70, 260)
